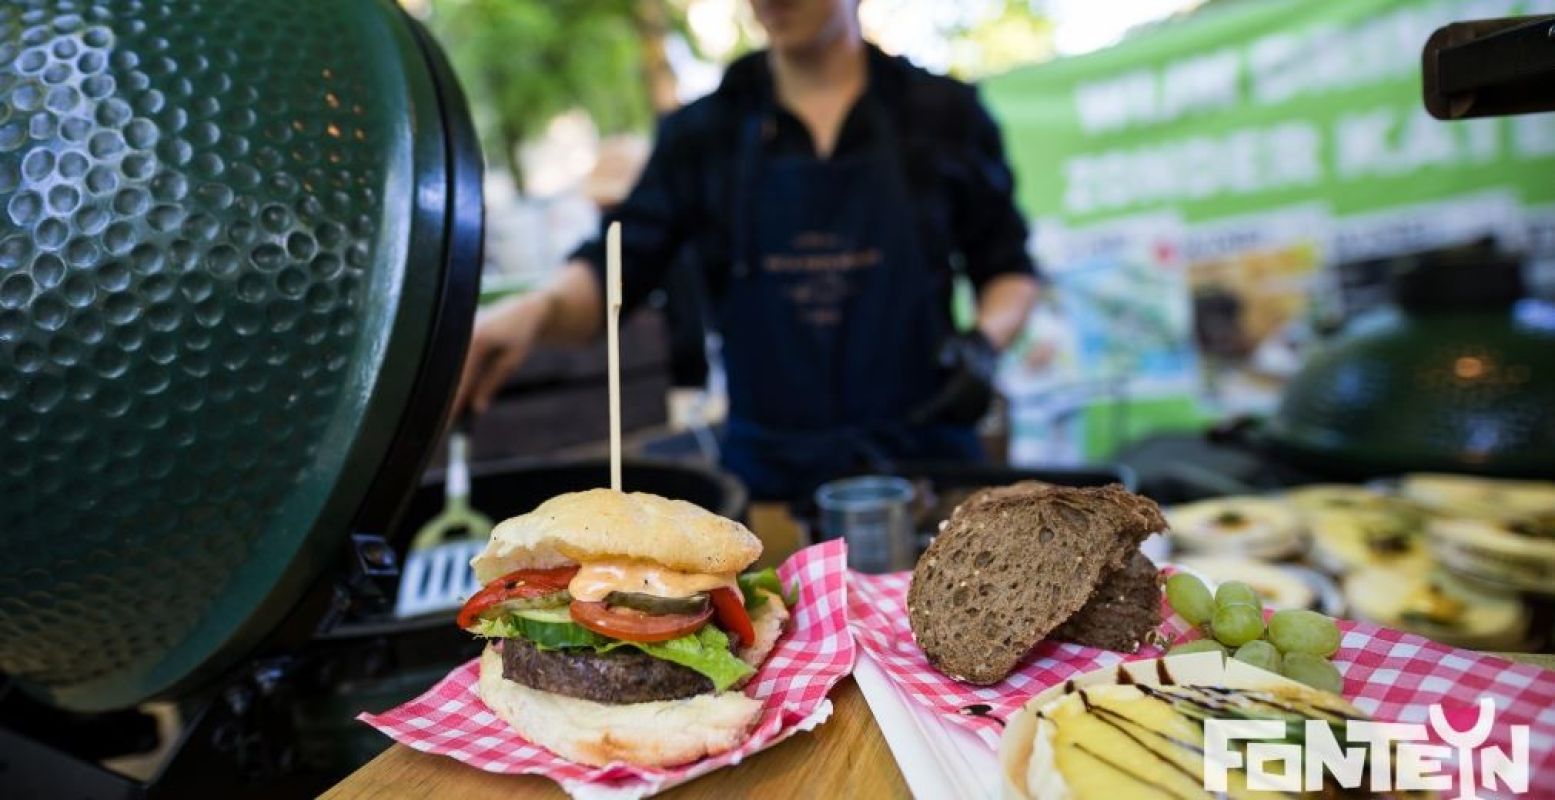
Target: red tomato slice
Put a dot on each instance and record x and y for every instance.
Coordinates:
(633, 625)
(518, 585)
(730, 606)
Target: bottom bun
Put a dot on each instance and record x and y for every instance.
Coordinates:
(657, 734)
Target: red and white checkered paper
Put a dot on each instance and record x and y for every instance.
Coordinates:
(816, 653)
(1392, 676)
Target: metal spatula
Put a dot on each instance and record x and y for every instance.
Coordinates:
(437, 575)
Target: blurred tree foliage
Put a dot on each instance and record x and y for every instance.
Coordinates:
(523, 62)
(1015, 33)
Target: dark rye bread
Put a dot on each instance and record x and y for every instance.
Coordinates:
(1001, 576)
(1126, 604)
(1124, 608)
(985, 496)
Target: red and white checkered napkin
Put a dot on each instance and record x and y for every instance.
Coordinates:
(1390, 675)
(877, 612)
(816, 653)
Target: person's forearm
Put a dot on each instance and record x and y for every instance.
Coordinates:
(1003, 305)
(574, 306)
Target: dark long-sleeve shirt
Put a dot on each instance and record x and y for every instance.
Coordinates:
(956, 172)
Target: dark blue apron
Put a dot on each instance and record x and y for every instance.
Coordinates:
(830, 320)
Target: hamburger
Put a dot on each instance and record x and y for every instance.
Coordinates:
(621, 629)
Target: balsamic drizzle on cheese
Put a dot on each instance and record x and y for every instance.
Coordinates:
(1116, 767)
(1194, 704)
(1116, 721)
(1218, 698)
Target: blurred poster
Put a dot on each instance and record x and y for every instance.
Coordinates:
(1113, 330)
(1253, 281)
(1413, 227)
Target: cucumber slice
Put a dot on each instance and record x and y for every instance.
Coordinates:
(553, 614)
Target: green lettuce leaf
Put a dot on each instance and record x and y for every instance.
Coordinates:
(496, 628)
(750, 582)
(706, 651)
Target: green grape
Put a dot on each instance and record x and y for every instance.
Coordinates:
(1233, 593)
(1260, 654)
(1198, 646)
(1236, 625)
(1297, 630)
(1190, 598)
(1314, 671)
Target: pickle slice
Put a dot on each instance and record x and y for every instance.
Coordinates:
(653, 604)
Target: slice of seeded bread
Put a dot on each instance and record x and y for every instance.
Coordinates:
(988, 495)
(1125, 607)
(1001, 576)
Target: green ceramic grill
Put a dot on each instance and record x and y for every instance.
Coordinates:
(239, 254)
(1459, 376)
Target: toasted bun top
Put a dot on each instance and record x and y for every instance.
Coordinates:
(602, 524)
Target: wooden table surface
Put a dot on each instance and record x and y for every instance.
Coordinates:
(846, 755)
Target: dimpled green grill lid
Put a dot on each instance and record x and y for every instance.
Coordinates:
(216, 281)
(1472, 391)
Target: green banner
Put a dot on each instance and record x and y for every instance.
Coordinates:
(1196, 190)
(1262, 104)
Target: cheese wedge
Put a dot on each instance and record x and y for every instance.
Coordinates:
(1278, 586)
(1438, 606)
(1515, 554)
(1258, 527)
(1113, 732)
(1351, 539)
(1337, 497)
(1480, 498)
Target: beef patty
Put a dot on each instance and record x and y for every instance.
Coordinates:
(623, 675)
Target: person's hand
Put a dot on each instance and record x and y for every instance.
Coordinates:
(504, 335)
(968, 361)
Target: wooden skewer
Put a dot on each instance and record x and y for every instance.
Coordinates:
(613, 343)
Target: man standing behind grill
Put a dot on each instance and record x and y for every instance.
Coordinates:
(829, 193)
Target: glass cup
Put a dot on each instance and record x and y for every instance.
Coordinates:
(873, 514)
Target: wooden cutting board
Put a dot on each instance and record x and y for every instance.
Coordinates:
(846, 757)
